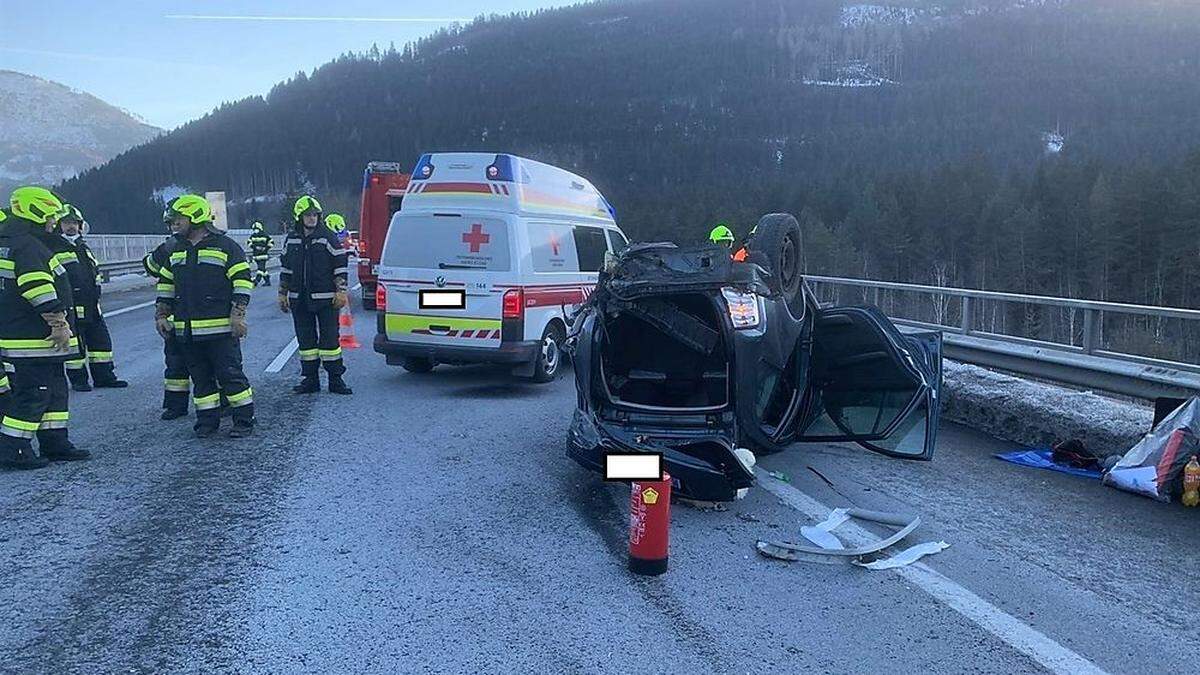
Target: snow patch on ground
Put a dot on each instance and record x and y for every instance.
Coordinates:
(1038, 414)
(858, 15)
(168, 193)
(852, 74)
(1054, 142)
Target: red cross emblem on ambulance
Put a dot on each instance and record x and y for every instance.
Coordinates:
(554, 243)
(476, 238)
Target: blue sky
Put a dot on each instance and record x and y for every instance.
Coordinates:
(171, 61)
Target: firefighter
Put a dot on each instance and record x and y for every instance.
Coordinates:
(723, 236)
(95, 341)
(312, 286)
(204, 290)
(176, 385)
(260, 249)
(5, 387)
(36, 335)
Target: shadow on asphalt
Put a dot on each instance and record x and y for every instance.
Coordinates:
(481, 382)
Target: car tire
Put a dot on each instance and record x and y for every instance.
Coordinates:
(414, 364)
(551, 354)
(777, 237)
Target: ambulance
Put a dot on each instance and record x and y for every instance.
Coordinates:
(485, 261)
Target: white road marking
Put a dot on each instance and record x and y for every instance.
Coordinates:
(1018, 635)
(126, 310)
(281, 360)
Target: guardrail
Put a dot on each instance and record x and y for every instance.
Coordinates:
(123, 253)
(1080, 360)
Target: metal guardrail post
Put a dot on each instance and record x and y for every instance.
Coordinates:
(1091, 330)
(966, 315)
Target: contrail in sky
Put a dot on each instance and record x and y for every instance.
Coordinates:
(342, 19)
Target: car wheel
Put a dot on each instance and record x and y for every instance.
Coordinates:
(550, 354)
(777, 237)
(415, 364)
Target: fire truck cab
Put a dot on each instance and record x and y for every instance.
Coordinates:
(384, 185)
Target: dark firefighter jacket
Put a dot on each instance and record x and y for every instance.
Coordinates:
(260, 245)
(31, 284)
(84, 273)
(314, 266)
(201, 282)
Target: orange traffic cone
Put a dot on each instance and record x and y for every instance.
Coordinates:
(346, 338)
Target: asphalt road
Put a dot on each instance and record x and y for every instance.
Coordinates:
(433, 523)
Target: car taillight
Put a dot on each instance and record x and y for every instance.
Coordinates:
(514, 304)
(743, 308)
(381, 297)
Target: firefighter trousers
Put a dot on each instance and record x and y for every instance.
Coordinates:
(261, 275)
(5, 387)
(317, 333)
(96, 344)
(215, 366)
(37, 406)
(176, 385)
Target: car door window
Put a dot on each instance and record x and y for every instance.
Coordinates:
(871, 384)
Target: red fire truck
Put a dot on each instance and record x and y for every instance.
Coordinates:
(384, 184)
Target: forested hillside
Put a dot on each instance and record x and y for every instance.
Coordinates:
(1028, 145)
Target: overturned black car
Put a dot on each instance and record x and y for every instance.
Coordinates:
(687, 353)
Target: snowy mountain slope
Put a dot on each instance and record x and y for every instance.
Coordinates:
(49, 132)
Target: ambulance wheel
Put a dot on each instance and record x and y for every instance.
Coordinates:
(550, 356)
(777, 236)
(414, 364)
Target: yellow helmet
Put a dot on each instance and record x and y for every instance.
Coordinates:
(306, 205)
(35, 203)
(335, 222)
(193, 207)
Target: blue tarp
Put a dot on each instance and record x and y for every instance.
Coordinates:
(1041, 459)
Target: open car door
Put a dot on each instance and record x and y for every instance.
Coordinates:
(871, 384)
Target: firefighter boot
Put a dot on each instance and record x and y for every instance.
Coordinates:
(79, 379)
(338, 386)
(169, 414)
(309, 384)
(64, 451)
(18, 454)
(113, 383)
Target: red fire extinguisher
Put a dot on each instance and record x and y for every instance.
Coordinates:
(649, 526)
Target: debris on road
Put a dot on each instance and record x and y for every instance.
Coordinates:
(1044, 459)
(779, 475)
(827, 544)
(1154, 467)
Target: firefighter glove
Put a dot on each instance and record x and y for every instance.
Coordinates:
(237, 321)
(162, 320)
(340, 300)
(284, 305)
(60, 330)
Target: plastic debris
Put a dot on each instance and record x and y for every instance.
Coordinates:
(908, 556)
(779, 475)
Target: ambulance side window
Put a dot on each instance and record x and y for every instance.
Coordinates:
(591, 244)
(616, 241)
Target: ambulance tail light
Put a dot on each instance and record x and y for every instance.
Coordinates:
(381, 298)
(514, 304)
